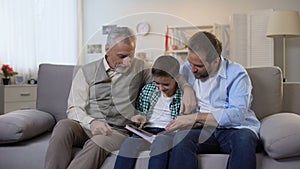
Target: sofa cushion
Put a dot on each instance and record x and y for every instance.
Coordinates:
(24, 124)
(267, 90)
(54, 82)
(280, 135)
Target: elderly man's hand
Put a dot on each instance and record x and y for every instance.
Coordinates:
(100, 127)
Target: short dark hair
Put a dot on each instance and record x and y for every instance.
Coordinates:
(205, 42)
(165, 66)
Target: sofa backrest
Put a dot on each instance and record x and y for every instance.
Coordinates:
(291, 97)
(267, 90)
(54, 82)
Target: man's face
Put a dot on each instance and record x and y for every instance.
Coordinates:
(119, 56)
(165, 84)
(199, 66)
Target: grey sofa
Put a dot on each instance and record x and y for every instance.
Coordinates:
(24, 134)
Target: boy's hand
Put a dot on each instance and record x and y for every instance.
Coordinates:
(139, 119)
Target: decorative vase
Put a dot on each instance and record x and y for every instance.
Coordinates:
(6, 81)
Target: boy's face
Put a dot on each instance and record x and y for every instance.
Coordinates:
(165, 84)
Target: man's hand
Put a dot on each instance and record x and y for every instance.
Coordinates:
(99, 127)
(139, 119)
(188, 103)
(185, 121)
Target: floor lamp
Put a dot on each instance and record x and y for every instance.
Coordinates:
(284, 24)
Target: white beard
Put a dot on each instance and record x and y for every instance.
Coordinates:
(121, 68)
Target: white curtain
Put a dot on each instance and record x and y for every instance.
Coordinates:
(37, 31)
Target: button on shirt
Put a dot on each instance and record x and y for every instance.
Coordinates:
(230, 97)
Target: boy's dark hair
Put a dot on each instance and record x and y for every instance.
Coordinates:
(165, 66)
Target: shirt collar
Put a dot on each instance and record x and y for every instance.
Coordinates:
(106, 66)
(222, 68)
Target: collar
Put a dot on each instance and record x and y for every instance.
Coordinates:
(222, 68)
(106, 65)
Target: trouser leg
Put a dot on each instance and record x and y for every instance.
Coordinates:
(159, 154)
(129, 152)
(188, 144)
(183, 154)
(66, 133)
(95, 151)
(241, 145)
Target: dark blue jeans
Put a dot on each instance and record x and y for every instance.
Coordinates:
(132, 146)
(240, 144)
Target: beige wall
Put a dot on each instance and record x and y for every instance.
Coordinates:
(179, 12)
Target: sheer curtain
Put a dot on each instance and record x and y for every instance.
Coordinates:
(38, 31)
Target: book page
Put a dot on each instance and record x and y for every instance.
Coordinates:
(140, 132)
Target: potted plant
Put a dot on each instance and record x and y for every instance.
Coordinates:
(7, 72)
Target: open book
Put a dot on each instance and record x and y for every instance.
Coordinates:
(140, 132)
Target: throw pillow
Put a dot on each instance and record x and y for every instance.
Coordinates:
(24, 124)
(280, 134)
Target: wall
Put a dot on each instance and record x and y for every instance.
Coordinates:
(160, 13)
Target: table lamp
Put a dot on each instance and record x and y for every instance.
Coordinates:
(284, 24)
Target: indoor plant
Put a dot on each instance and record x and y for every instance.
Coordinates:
(7, 72)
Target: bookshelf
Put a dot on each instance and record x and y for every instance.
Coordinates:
(179, 36)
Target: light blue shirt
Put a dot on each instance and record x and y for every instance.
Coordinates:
(230, 97)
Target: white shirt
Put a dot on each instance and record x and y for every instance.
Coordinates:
(161, 115)
(204, 88)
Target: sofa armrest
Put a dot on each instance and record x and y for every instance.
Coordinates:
(280, 134)
(24, 124)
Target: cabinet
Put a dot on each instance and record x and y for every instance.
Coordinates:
(17, 97)
(178, 37)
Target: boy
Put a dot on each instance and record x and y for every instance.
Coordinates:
(157, 105)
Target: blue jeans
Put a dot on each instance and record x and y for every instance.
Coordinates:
(240, 144)
(132, 146)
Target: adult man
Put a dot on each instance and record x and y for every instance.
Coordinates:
(227, 124)
(101, 101)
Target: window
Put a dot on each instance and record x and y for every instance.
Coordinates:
(37, 31)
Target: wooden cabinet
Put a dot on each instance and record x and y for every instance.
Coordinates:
(17, 97)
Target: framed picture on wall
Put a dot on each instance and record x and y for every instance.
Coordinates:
(107, 28)
(94, 48)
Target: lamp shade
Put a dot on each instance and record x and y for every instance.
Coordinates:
(284, 23)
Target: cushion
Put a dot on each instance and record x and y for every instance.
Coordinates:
(24, 124)
(280, 134)
(54, 83)
(267, 90)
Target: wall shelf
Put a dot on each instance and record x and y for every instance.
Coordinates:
(179, 36)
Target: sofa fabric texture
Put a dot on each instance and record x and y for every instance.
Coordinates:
(276, 104)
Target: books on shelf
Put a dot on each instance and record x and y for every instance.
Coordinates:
(140, 132)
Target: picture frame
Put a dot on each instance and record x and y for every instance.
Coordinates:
(19, 80)
(107, 28)
(94, 49)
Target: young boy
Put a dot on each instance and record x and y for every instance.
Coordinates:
(157, 105)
